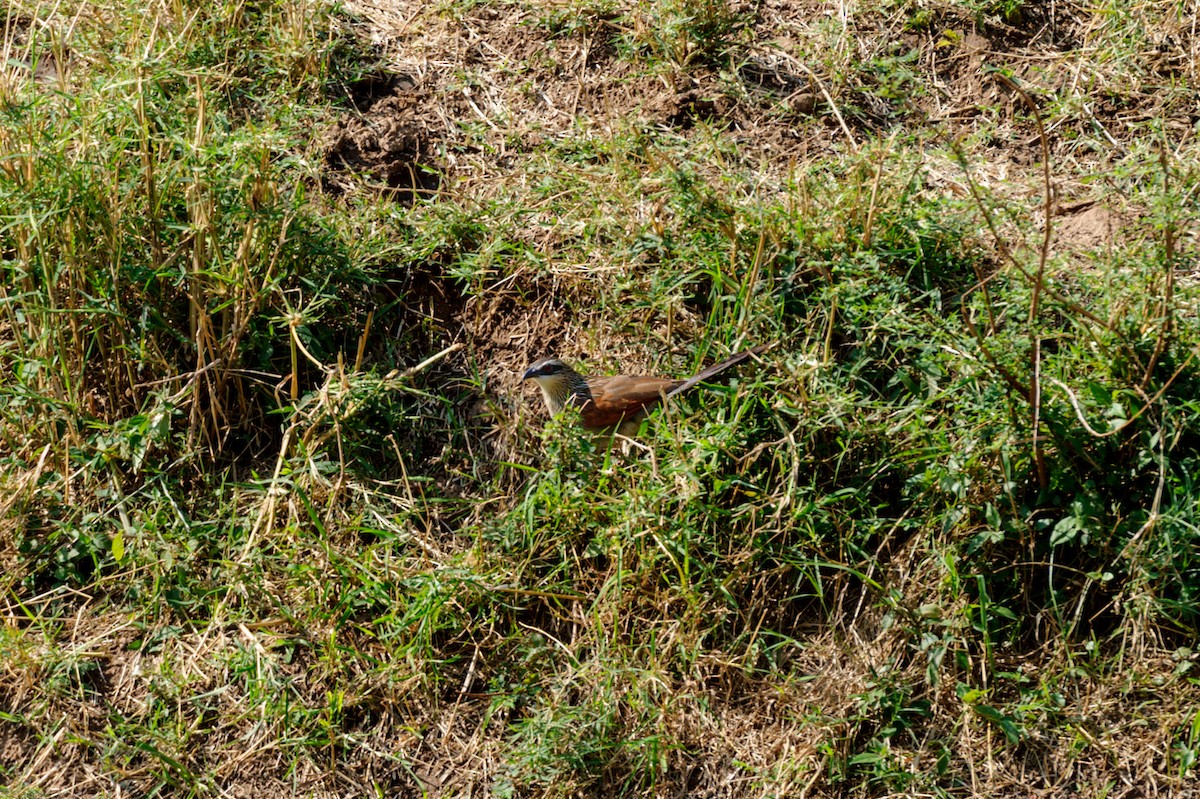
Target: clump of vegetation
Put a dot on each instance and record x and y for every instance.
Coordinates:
(276, 510)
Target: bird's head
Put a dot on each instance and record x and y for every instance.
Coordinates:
(560, 384)
(548, 368)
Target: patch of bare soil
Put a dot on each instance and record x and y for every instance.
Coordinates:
(1088, 226)
(388, 139)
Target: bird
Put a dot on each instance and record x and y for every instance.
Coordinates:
(620, 402)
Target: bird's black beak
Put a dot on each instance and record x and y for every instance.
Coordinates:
(530, 372)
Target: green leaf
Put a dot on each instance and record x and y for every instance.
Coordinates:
(992, 515)
(1005, 723)
(1099, 393)
(1065, 531)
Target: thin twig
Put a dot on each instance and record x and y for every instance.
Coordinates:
(423, 365)
(1006, 251)
(883, 153)
(1039, 282)
(833, 106)
(1165, 312)
(1147, 403)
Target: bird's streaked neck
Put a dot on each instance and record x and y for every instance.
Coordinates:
(566, 388)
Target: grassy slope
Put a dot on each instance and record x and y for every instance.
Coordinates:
(278, 517)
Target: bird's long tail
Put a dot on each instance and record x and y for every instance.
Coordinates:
(716, 369)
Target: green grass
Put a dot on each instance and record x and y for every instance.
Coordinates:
(277, 512)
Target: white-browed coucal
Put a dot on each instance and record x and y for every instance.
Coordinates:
(618, 402)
